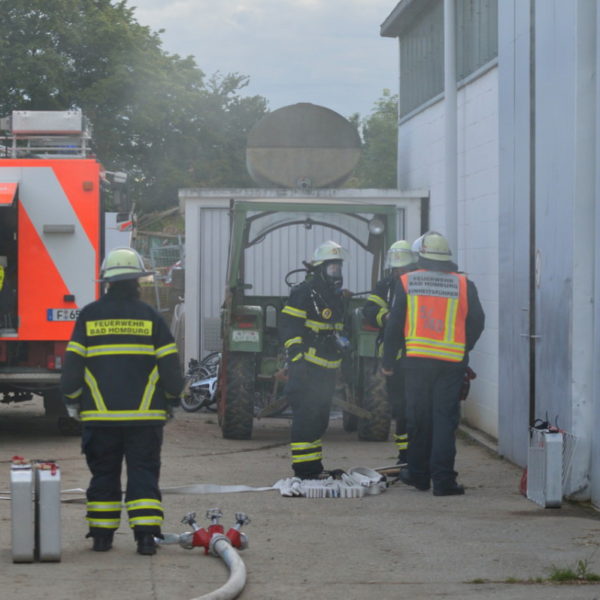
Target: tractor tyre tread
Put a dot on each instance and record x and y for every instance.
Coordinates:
(237, 410)
(375, 400)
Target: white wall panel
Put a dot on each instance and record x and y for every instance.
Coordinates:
(214, 236)
(287, 248)
(565, 178)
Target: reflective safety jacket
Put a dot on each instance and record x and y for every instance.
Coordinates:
(121, 364)
(446, 317)
(436, 311)
(379, 301)
(310, 319)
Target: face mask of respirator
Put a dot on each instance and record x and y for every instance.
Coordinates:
(333, 275)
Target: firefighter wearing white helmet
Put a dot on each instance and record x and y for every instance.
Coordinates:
(329, 250)
(436, 319)
(121, 379)
(416, 245)
(400, 259)
(327, 263)
(311, 329)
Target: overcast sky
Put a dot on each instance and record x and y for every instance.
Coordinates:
(327, 52)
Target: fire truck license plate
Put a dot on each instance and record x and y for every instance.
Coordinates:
(62, 314)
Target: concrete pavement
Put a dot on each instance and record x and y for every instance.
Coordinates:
(490, 543)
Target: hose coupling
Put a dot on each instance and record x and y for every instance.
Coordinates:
(213, 540)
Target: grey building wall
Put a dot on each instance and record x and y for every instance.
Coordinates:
(547, 65)
(515, 91)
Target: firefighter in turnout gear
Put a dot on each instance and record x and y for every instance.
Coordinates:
(436, 319)
(122, 378)
(312, 334)
(400, 259)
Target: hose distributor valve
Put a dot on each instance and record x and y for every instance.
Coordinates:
(203, 536)
(237, 538)
(207, 537)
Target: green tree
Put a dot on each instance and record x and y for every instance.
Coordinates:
(154, 114)
(379, 133)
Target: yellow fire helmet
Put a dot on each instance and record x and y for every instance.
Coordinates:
(400, 255)
(122, 263)
(434, 246)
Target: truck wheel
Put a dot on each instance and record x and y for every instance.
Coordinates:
(236, 401)
(374, 399)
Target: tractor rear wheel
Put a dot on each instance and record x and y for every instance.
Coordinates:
(236, 397)
(375, 400)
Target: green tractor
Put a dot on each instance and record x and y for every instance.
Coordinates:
(251, 376)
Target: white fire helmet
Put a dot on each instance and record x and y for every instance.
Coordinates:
(416, 245)
(329, 250)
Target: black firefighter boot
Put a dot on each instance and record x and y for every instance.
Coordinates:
(103, 540)
(146, 544)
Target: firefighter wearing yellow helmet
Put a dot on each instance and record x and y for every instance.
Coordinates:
(311, 329)
(121, 378)
(400, 259)
(436, 319)
(121, 264)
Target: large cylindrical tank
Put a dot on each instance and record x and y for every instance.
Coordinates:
(302, 146)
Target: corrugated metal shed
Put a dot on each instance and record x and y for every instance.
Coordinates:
(207, 243)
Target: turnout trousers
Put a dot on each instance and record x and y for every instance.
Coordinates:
(310, 391)
(394, 385)
(433, 414)
(105, 448)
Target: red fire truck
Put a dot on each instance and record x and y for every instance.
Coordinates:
(51, 245)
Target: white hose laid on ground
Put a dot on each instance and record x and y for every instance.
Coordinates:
(221, 546)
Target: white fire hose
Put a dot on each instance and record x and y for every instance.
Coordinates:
(216, 542)
(221, 547)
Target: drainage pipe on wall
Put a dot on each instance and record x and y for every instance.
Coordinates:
(451, 126)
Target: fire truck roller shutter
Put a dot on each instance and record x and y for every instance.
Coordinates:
(58, 232)
(73, 255)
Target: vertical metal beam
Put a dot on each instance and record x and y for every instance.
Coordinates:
(595, 453)
(451, 127)
(583, 267)
(398, 182)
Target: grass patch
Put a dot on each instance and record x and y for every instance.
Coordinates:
(558, 575)
(580, 573)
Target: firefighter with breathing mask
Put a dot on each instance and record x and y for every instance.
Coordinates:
(436, 319)
(400, 259)
(312, 334)
(121, 378)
